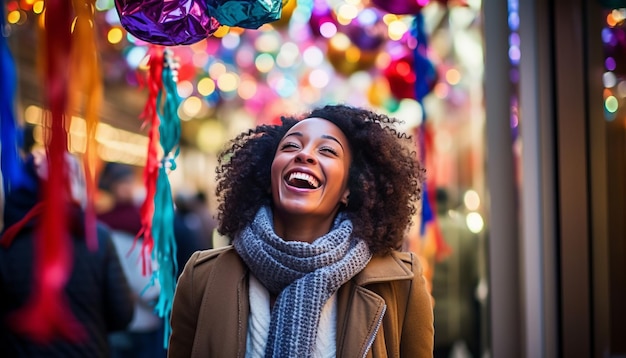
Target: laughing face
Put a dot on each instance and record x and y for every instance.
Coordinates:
(310, 171)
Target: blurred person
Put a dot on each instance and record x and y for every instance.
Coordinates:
(455, 280)
(144, 335)
(209, 224)
(188, 229)
(123, 213)
(317, 208)
(97, 291)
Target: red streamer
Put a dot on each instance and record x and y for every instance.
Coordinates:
(47, 314)
(151, 170)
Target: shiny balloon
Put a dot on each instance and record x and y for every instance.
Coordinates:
(320, 15)
(401, 77)
(346, 58)
(167, 23)
(378, 92)
(401, 7)
(288, 7)
(367, 31)
(248, 14)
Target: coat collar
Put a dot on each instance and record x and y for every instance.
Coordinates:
(227, 288)
(385, 268)
(359, 310)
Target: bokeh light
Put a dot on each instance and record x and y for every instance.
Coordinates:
(474, 222)
(471, 200)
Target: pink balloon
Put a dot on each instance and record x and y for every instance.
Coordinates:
(367, 31)
(320, 15)
(401, 7)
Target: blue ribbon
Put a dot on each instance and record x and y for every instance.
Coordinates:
(11, 135)
(425, 75)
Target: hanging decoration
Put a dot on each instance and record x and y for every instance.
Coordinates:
(168, 23)
(401, 76)
(401, 7)
(157, 211)
(162, 222)
(248, 14)
(425, 78)
(321, 17)
(185, 22)
(47, 315)
(10, 131)
(86, 92)
(150, 116)
(287, 11)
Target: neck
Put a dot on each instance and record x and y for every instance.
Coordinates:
(304, 228)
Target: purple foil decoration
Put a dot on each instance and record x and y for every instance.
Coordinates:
(400, 7)
(248, 14)
(167, 22)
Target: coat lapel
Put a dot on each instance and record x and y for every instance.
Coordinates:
(359, 310)
(225, 294)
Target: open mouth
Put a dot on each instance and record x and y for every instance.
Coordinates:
(302, 180)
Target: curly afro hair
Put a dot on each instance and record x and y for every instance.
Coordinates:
(385, 176)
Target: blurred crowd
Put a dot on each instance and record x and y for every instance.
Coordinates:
(110, 297)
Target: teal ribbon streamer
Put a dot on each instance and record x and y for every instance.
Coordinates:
(164, 250)
(11, 134)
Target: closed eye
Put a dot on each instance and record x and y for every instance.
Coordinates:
(329, 150)
(289, 145)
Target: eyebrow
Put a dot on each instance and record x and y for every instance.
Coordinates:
(325, 136)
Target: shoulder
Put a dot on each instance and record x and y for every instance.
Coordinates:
(393, 266)
(216, 268)
(206, 257)
(202, 263)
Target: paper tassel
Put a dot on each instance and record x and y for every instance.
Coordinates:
(10, 133)
(47, 314)
(163, 221)
(86, 93)
(151, 169)
(157, 211)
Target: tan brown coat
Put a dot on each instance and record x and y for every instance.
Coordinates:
(210, 313)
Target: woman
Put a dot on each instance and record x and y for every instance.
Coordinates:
(317, 208)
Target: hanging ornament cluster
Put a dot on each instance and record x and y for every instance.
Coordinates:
(47, 315)
(184, 22)
(157, 211)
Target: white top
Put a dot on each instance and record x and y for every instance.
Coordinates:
(145, 292)
(259, 324)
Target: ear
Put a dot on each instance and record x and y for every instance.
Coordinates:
(345, 197)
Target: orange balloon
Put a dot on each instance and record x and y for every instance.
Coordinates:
(378, 93)
(346, 58)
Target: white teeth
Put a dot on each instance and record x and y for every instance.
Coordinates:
(303, 176)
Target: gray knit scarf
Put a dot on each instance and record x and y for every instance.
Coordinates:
(303, 275)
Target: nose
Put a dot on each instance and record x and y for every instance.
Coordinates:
(305, 157)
